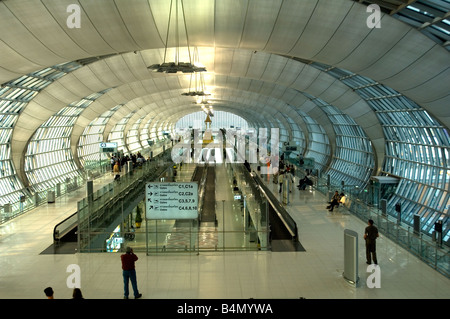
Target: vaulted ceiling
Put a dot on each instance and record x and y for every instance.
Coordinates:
(257, 54)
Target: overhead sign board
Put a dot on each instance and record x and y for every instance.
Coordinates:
(171, 200)
(108, 147)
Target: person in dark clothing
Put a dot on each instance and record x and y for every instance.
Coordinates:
(129, 273)
(370, 235)
(77, 294)
(334, 201)
(49, 292)
(305, 181)
(247, 166)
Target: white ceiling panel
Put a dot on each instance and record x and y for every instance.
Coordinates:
(95, 82)
(240, 62)
(41, 24)
(72, 82)
(200, 21)
(305, 78)
(124, 94)
(418, 73)
(347, 36)
(291, 21)
(86, 37)
(376, 44)
(322, 83)
(118, 66)
(137, 65)
(140, 23)
(108, 22)
(327, 16)
(256, 34)
(440, 109)
(291, 73)
(61, 92)
(257, 65)
(103, 74)
(15, 35)
(404, 54)
(274, 68)
(229, 23)
(14, 63)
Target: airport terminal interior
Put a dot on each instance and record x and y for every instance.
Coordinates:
(211, 136)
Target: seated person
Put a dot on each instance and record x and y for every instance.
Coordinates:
(334, 201)
(342, 198)
(304, 182)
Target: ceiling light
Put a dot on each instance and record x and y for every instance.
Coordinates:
(177, 66)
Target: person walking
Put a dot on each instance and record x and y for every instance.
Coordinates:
(291, 181)
(370, 235)
(116, 171)
(129, 273)
(280, 181)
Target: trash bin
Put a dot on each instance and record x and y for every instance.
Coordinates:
(7, 209)
(50, 197)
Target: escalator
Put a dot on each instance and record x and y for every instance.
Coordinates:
(104, 213)
(208, 211)
(280, 236)
(283, 228)
(65, 239)
(205, 176)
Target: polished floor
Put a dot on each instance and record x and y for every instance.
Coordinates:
(315, 273)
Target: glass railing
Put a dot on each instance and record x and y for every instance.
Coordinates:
(27, 203)
(241, 222)
(100, 213)
(360, 202)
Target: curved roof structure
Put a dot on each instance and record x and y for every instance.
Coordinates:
(363, 100)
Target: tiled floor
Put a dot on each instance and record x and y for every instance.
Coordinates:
(314, 273)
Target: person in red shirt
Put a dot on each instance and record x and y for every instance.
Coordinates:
(129, 273)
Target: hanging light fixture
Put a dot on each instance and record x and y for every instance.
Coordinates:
(197, 83)
(176, 65)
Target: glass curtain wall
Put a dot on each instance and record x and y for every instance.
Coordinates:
(428, 16)
(297, 136)
(144, 134)
(49, 159)
(318, 145)
(117, 134)
(133, 141)
(14, 97)
(88, 145)
(220, 119)
(417, 151)
(353, 160)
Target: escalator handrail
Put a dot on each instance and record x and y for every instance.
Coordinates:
(287, 220)
(56, 232)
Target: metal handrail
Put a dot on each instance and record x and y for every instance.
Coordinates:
(282, 213)
(59, 233)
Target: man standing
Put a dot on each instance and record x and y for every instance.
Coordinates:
(370, 235)
(129, 273)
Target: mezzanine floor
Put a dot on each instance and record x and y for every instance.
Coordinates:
(313, 274)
